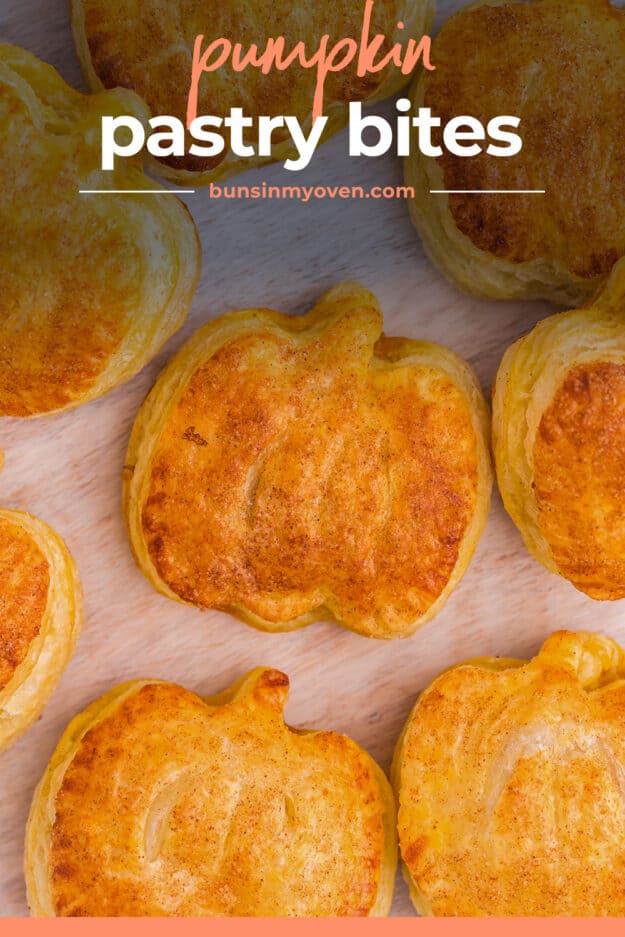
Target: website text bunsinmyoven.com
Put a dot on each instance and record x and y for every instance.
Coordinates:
(306, 193)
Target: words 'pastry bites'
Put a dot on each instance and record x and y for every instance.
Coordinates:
(147, 45)
(92, 286)
(559, 66)
(40, 619)
(559, 440)
(510, 782)
(295, 469)
(157, 802)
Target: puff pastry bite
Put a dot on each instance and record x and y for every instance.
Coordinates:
(510, 784)
(158, 802)
(40, 619)
(147, 45)
(558, 65)
(91, 286)
(559, 441)
(294, 469)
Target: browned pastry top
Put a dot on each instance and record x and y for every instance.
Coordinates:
(24, 583)
(172, 805)
(90, 286)
(579, 477)
(559, 65)
(511, 784)
(67, 271)
(310, 464)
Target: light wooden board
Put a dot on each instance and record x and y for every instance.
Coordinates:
(67, 470)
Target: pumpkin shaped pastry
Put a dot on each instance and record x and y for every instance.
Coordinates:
(510, 782)
(91, 286)
(147, 45)
(558, 66)
(296, 469)
(40, 619)
(559, 440)
(158, 802)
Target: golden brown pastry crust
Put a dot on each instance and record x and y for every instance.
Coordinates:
(157, 802)
(295, 469)
(559, 65)
(147, 45)
(510, 784)
(110, 278)
(40, 619)
(559, 441)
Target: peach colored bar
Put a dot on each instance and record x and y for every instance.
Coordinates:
(256, 927)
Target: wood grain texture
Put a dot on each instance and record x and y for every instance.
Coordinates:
(67, 470)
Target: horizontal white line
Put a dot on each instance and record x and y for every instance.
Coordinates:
(136, 191)
(488, 192)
